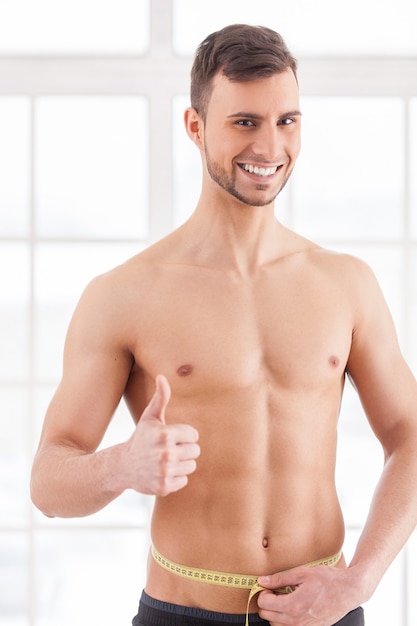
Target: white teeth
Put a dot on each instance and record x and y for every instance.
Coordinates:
(259, 171)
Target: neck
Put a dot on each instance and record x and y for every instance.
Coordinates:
(234, 237)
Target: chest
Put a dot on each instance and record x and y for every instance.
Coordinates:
(226, 334)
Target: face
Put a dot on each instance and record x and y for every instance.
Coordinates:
(251, 137)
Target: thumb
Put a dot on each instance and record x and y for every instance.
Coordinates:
(283, 582)
(157, 405)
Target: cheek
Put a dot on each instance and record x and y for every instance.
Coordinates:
(219, 149)
(296, 147)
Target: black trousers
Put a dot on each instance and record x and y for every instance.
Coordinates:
(155, 613)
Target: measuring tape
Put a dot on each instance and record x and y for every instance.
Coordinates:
(236, 581)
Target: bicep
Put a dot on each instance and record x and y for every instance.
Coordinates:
(384, 382)
(96, 368)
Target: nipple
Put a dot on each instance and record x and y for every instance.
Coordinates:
(185, 370)
(334, 360)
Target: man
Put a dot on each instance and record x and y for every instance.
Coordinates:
(230, 340)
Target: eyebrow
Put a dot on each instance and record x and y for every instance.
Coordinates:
(256, 116)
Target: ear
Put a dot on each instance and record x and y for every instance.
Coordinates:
(194, 126)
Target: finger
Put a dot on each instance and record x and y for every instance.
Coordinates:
(176, 483)
(281, 580)
(186, 467)
(180, 478)
(269, 601)
(272, 609)
(186, 438)
(157, 405)
(188, 451)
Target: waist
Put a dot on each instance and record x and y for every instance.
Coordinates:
(232, 580)
(227, 579)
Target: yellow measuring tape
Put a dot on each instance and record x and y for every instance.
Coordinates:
(225, 579)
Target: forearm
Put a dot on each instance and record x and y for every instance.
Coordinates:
(67, 482)
(391, 520)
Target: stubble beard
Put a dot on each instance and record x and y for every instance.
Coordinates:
(219, 175)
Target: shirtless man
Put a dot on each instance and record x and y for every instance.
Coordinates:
(230, 340)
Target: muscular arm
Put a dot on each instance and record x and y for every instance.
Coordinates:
(388, 393)
(69, 477)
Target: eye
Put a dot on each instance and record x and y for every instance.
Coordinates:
(286, 121)
(246, 123)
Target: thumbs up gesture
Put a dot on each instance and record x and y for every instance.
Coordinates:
(160, 456)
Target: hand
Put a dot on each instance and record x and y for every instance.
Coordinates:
(160, 456)
(320, 597)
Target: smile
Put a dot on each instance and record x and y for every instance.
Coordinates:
(258, 171)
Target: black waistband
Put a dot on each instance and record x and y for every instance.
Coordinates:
(156, 613)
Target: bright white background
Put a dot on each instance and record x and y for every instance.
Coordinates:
(95, 165)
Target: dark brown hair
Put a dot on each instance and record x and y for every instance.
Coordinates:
(242, 53)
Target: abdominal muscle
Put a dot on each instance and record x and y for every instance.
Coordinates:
(261, 500)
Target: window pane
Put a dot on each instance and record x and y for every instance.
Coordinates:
(14, 312)
(14, 461)
(62, 271)
(69, 560)
(74, 26)
(92, 167)
(13, 578)
(413, 166)
(14, 165)
(345, 186)
(322, 27)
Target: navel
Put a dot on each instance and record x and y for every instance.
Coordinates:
(185, 370)
(265, 543)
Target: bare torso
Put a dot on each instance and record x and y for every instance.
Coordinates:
(257, 366)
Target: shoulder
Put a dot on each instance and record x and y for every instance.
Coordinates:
(332, 263)
(106, 299)
(355, 278)
(349, 269)
(349, 278)
(131, 277)
(118, 297)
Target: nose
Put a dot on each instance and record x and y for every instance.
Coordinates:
(269, 143)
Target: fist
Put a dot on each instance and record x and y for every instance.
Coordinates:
(161, 456)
